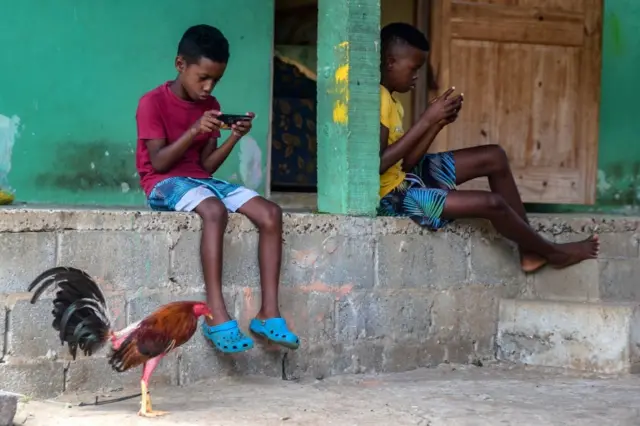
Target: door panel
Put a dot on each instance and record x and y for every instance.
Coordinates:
(530, 72)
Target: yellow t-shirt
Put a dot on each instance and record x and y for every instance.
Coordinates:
(391, 114)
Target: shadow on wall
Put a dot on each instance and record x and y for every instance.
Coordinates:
(104, 165)
(86, 166)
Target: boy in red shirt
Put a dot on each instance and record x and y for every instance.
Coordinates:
(177, 152)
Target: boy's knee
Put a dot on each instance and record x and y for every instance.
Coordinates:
(498, 156)
(495, 203)
(272, 216)
(212, 210)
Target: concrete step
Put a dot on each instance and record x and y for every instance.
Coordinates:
(598, 337)
(8, 406)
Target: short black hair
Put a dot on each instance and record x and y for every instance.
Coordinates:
(402, 33)
(204, 41)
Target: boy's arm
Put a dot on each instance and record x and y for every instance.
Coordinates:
(415, 155)
(213, 156)
(164, 155)
(390, 155)
(442, 107)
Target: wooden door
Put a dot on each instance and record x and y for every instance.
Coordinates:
(530, 72)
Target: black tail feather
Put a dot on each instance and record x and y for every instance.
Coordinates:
(80, 312)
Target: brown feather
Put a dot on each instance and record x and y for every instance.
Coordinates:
(169, 327)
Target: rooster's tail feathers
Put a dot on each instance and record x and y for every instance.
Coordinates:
(74, 280)
(80, 312)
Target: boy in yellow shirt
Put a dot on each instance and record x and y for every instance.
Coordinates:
(423, 186)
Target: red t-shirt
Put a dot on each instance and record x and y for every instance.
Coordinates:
(163, 115)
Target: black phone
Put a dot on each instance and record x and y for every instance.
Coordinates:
(231, 119)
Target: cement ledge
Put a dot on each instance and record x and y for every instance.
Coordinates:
(38, 219)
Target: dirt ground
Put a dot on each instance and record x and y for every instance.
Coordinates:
(447, 395)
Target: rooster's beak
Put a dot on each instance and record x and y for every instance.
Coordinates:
(209, 317)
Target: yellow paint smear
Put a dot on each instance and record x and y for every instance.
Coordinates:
(340, 113)
(341, 89)
(342, 74)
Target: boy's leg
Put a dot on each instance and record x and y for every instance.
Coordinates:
(492, 206)
(214, 222)
(267, 216)
(222, 331)
(491, 161)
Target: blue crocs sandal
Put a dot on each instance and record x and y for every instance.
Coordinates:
(275, 329)
(227, 337)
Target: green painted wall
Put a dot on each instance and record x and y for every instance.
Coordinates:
(73, 71)
(619, 145)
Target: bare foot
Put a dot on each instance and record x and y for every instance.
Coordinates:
(573, 253)
(531, 262)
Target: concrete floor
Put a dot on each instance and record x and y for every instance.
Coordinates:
(447, 395)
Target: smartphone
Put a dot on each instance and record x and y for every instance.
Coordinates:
(231, 119)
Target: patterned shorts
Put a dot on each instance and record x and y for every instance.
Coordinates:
(183, 194)
(422, 194)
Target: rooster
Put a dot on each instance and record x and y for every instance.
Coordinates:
(81, 317)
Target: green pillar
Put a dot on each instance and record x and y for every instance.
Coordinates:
(348, 106)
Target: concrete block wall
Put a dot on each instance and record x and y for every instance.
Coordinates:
(611, 278)
(364, 295)
(584, 317)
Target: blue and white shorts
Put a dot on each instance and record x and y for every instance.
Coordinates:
(183, 194)
(422, 194)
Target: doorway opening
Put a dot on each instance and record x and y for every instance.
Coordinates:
(293, 124)
(293, 151)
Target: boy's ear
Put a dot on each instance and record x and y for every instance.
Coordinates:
(389, 60)
(181, 64)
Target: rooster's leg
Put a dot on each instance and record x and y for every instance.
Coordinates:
(145, 404)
